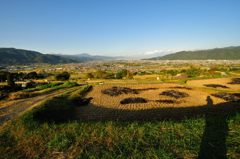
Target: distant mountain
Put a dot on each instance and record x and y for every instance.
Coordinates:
(87, 57)
(12, 56)
(227, 53)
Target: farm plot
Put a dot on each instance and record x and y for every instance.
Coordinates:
(147, 96)
(220, 83)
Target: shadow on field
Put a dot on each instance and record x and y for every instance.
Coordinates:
(96, 113)
(213, 144)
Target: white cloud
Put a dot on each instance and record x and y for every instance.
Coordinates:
(158, 52)
(152, 52)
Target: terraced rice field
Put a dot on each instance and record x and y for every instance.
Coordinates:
(158, 105)
(195, 98)
(221, 81)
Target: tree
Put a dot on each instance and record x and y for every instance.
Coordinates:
(3, 76)
(62, 76)
(129, 75)
(10, 81)
(89, 75)
(123, 73)
(119, 75)
(32, 75)
(100, 74)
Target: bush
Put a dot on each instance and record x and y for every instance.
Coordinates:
(100, 74)
(89, 75)
(10, 81)
(193, 72)
(124, 73)
(62, 76)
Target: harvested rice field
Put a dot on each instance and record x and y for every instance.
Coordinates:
(152, 93)
(155, 101)
(222, 83)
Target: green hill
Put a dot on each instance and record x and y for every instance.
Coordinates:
(228, 53)
(12, 56)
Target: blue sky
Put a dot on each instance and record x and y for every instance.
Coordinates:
(118, 27)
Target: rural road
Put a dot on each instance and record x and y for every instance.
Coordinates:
(11, 111)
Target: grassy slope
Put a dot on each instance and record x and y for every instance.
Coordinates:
(164, 139)
(48, 131)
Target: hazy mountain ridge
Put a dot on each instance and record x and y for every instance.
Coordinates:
(87, 57)
(12, 56)
(227, 53)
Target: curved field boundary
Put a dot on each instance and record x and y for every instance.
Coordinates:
(11, 111)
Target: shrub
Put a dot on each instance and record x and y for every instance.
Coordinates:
(124, 73)
(62, 76)
(192, 72)
(100, 74)
(10, 81)
(89, 75)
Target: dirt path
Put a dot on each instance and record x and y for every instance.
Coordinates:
(10, 111)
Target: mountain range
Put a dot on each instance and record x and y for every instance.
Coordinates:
(12, 56)
(84, 57)
(227, 53)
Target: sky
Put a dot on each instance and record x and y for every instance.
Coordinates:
(119, 27)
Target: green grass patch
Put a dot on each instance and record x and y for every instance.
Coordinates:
(45, 86)
(47, 89)
(156, 139)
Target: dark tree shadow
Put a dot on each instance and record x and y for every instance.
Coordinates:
(213, 144)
